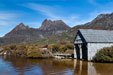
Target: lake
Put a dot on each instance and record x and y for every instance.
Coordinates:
(23, 66)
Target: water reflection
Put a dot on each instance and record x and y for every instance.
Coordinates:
(22, 66)
(80, 68)
(90, 68)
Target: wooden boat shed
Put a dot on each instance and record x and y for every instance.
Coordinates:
(88, 41)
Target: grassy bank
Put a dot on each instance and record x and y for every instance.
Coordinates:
(34, 51)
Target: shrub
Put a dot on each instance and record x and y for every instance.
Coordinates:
(12, 46)
(63, 48)
(70, 46)
(34, 54)
(21, 47)
(62, 42)
(6, 48)
(55, 48)
(104, 55)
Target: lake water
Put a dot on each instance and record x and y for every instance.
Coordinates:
(22, 66)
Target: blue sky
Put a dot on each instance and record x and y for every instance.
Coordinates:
(33, 12)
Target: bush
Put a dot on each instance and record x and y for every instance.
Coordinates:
(55, 48)
(62, 42)
(12, 46)
(63, 48)
(34, 54)
(104, 55)
(70, 46)
(21, 47)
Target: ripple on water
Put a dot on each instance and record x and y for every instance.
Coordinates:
(22, 66)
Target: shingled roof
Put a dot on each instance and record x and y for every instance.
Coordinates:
(102, 36)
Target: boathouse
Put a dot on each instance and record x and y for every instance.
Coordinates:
(88, 41)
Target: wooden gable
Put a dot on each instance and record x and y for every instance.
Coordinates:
(78, 39)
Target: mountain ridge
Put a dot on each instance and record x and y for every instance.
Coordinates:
(102, 21)
(53, 25)
(24, 33)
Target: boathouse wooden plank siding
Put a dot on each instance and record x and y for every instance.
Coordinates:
(88, 41)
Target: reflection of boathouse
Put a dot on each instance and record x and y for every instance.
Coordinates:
(84, 68)
(89, 41)
(90, 68)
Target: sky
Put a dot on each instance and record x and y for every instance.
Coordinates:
(33, 12)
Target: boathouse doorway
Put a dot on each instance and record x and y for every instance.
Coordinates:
(81, 51)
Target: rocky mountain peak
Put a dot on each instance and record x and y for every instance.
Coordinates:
(104, 17)
(103, 21)
(21, 26)
(53, 25)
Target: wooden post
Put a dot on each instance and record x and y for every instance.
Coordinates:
(75, 54)
(80, 46)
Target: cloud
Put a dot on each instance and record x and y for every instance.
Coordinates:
(57, 12)
(43, 9)
(3, 23)
(93, 2)
(52, 0)
(7, 18)
(54, 13)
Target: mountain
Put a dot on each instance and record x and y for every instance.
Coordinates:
(49, 25)
(22, 33)
(102, 21)
(21, 26)
(54, 31)
(17, 31)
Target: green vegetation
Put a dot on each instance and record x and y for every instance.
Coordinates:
(24, 50)
(104, 55)
(62, 47)
(36, 51)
